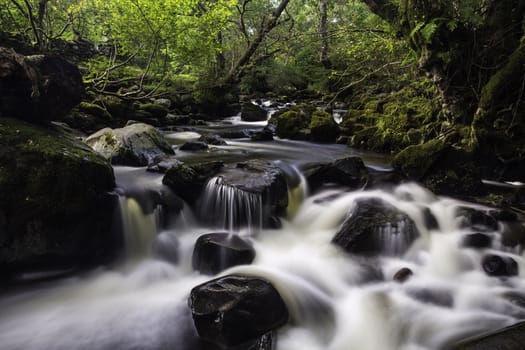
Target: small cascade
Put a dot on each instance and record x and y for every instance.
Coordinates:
(139, 229)
(227, 207)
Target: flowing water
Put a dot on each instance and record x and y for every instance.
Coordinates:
(336, 301)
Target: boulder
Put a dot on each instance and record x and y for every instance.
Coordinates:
(376, 227)
(188, 181)
(253, 113)
(402, 275)
(257, 187)
(349, 172)
(215, 140)
(215, 252)
(476, 240)
(157, 111)
(55, 209)
(499, 266)
(323, 128)
(513, 233)
(193, 146)
(235, 310)
(134, 145)
(37, 88)
(476, 220)
(508, 338)
(441, 168)
(265, 134)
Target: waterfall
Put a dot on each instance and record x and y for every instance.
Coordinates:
(139, 229)
(227, 207)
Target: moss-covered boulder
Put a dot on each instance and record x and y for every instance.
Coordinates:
(158, 111)
(322, 127)
(252, 113)
(55, 210)
(135, 145)
(441, 167)
(37, 88)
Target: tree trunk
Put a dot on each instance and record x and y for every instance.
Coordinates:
(323, 32)
(266, 27)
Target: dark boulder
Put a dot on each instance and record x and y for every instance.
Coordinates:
(257, 187)
(215, 140)
(376, 227)
(235, 310)
(55, 208)
(252, 113)
(429, 219)
(323, 128)
(265, 134)
(188, 181)
(476, 220)
(37, 88)
(513, 234)
(135, 145)
(215, 252)
(476, 240)
(508, 338)
(441, 167)
(193, 146)
(499, 266)
(349, 172)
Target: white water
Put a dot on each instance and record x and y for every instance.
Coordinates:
(336, 301)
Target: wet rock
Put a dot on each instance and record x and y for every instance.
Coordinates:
(403, 275)
(162, 165)
(476, 240)
(135, 145)
(441, 168)
(260, 178)
(189, 181)
(349, 172)
(55, 209)
(513, 234)
(323, 128)
(234, 310)
(382, 179)
(193, 146)
(215, 140)
(503, 215)
(476, 219)
(375, 227)
(508, 338)
(157, 111)
(37, 88)
(265, 134)
(499, 266)
(215, 252)
(252, 113)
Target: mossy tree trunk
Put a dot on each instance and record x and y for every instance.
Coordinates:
(473, 50)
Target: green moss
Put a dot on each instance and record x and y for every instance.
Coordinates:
(323, 128)
(93, 109)
(416, 160)
(155, 110)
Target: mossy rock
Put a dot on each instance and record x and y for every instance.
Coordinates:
(441, 167)
(323, 128)
(252, 113)
(118, 108)
(292, 125)
(155, 110)
(54, 198)
(93, 109)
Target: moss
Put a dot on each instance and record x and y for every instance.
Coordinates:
(416, 160)
(155, 110)
(323, 128)
(93, 109)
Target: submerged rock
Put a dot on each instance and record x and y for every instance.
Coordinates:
(215, 252)
(513, 234)
(37, 88)
(476, 219)
(349, 172)
(376, 227)
(265, 134)
(192, 146)
(236, 310)
(403, 275)
(135, 145)
(499, 266)
(55, 209)
(476, 240)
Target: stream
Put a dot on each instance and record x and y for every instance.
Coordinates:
(336, 301)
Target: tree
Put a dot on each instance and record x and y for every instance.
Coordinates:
(475, 53)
